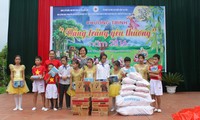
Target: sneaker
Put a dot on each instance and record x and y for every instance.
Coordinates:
(55, 109)
(159, 110)
(15, 109)
(113, 109)
(34, 108)
(155, 110)
(44, 109)
(20, 108)
(60, 108)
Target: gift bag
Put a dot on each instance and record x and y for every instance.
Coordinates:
(71, 92)
(114, 89)
(18, 84)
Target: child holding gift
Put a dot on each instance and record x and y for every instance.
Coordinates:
(38, 82)
(51, 88)
(115, 86)
(76, 74)
(17, 85)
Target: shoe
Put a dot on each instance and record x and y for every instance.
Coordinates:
(55, 109)
(59, 108)
(69, 108)
(44, 109)
(20, 108)
(34, 108)
(113, 109)
(155, 110)
(15, 109)
(159, 110)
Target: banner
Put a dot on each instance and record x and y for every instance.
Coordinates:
(119, 31)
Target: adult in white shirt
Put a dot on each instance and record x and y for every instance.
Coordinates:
(103, 68)
(64, 82)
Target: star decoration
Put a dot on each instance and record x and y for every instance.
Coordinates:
(51, 80)
(37, 72)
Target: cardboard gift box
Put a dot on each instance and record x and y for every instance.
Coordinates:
(100, 86)
(100, 111)
(97, 105)
(80, 99)
(83, 86)
(81, 105)
(99, 94)
(100, 99)
(81, 109)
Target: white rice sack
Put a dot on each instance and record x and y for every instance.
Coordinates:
(126, 92)
(135, 110)
(127, 80)
(142, 89)
(142, 83)
(132, 101)
(148, 97)
(135, 76)
(141, 94)
(128, 87)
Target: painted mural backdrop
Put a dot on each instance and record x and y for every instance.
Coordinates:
(119, 31)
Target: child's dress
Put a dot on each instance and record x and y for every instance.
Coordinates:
(143, 70)
(90, 74)
(76, 76)
(17, 78)
(115, 87)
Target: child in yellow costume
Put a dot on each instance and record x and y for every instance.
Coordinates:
(76, 74)
(141, 67)
(17, 85)
(90, 71)
(115, 86)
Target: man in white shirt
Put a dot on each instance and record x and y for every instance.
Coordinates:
(64, 82)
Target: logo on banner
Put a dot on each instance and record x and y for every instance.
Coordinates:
(95, 8)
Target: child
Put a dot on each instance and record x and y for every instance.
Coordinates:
(38, 82)
(52, 60)
(115, 87)
(90, 70)
(17, 85)
(64, 82)
(155, 82)
(103, 69)
(76, 74)
(141, 67)
(51, 88)
(127, 69)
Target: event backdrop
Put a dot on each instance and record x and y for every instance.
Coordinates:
(119, 31)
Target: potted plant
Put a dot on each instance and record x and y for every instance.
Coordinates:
(172, 80)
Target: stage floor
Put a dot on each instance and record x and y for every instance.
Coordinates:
(171, 103)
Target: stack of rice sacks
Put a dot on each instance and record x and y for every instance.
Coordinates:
(134, 98)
